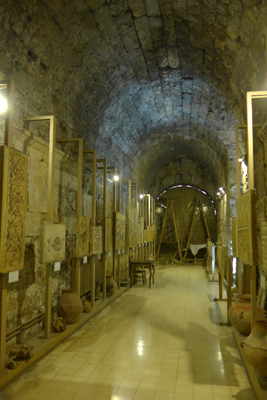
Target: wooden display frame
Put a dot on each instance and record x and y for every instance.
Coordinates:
(49, 218)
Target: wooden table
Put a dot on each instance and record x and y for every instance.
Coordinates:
(149, 264)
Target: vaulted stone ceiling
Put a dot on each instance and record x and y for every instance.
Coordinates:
(145, 82)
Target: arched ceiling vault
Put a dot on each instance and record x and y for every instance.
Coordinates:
(142, 81)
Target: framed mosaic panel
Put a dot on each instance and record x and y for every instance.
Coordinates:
(119, 230)
(96, 240)
(108, 235)
(13, 209)
(131, 226)
(246, 227)
(82, 236)
(53, 245)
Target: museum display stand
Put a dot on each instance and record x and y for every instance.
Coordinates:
(133, 235)
(245, 235)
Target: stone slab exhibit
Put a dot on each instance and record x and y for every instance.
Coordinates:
(13, 209)
(120, 231)
(82, 236)
(263, 264)
(246, 227)
(131, 226)
(108, 235)
(96, 240)
(53, 242)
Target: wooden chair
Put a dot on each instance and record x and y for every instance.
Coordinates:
(142, 272)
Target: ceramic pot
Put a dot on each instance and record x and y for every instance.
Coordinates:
(255, 347)
(69, 306)
(111, 285)
(240, 316)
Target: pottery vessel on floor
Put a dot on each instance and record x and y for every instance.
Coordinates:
(69, 306)
(255, 347)
(111, 285)
(240, 316)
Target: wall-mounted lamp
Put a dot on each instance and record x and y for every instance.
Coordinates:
(141, 196)
(3, 104)
(116, 178)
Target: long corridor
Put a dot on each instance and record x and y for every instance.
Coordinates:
(163, 343)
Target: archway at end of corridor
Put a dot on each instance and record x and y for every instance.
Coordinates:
(191, 212)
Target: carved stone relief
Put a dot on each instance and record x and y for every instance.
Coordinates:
(13, 209)
(96, 240)
(53, 242)
(246, 227)
(82, 236)
(119, 225)
(131, 226)
(108, 235)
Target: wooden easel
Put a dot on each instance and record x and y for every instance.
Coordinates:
(197, 205)
(169, 206)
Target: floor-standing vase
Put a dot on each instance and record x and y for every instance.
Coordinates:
(111, 285)
(69, 306)
(240, 316)
(255, 347)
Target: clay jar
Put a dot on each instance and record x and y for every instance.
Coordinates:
(255, 347)
(240, 316)
(69, 306)
(111, 285)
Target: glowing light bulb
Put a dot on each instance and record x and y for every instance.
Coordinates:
(141, 196)
(116, 178)
(3, 104)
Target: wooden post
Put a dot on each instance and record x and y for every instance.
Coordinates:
(104, 267)
(191, 230)
(237, 163)
(3, 303)
(163, 227)
(205, 221)
(176, 231)
(105, 214)
(92, 263)
(119, 192)
(148, 208)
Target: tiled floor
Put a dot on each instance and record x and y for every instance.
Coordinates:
(164, 343)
